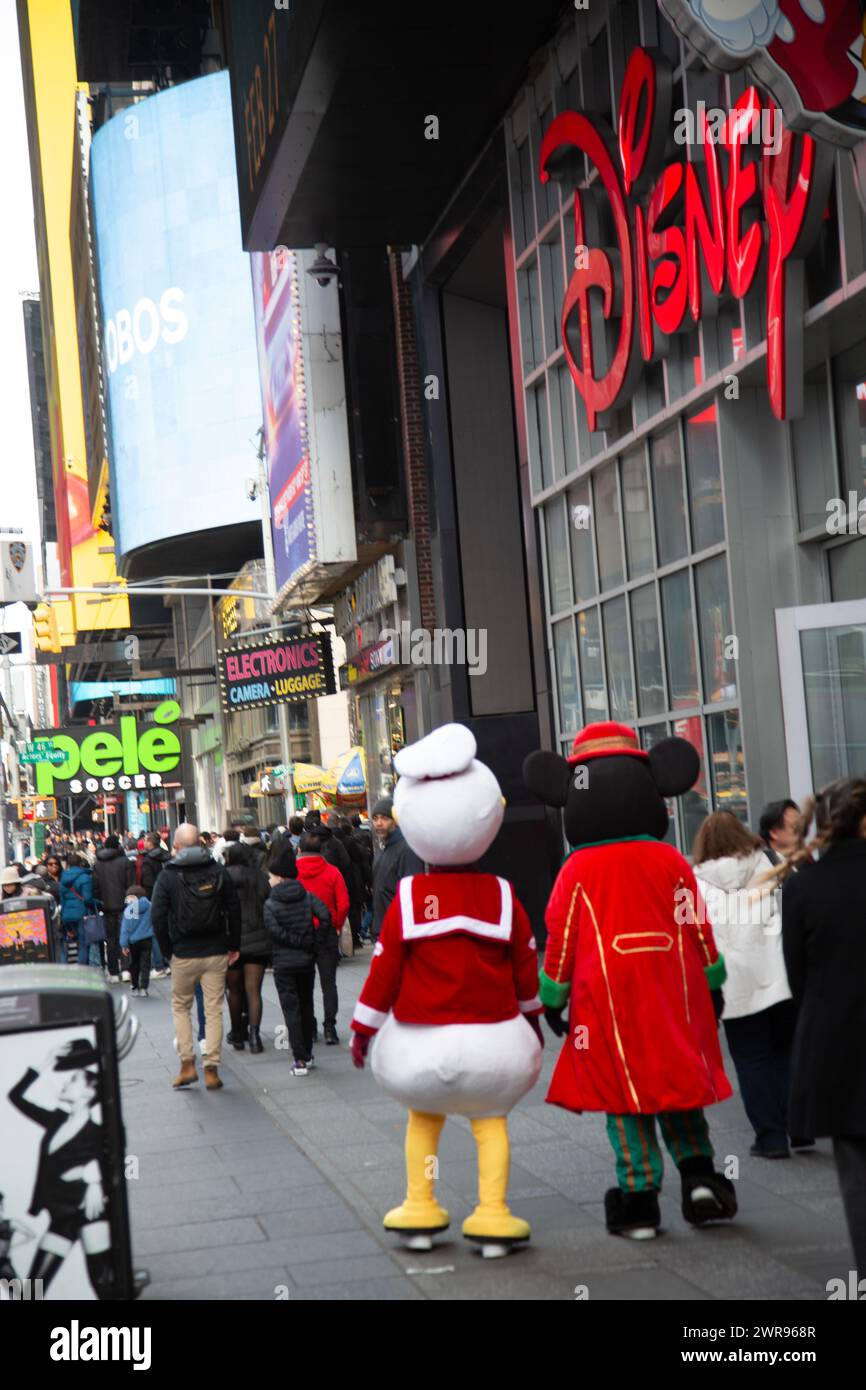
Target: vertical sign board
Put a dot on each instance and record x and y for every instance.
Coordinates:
(284, 410)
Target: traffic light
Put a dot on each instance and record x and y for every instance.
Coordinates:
(46, 629)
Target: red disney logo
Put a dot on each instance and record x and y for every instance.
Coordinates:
(684, 239)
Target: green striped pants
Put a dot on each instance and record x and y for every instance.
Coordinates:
(639, 1163)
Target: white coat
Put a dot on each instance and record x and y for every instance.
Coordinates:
(747, 924)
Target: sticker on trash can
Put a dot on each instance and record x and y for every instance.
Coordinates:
(23, 937)
(55, 1210)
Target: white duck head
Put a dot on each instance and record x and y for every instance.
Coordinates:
(448, 805)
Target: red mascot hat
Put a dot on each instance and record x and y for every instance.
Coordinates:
(607, 740)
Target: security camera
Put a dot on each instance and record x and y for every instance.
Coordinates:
(252, 489)
(323, 270)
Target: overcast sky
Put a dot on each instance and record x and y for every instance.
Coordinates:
(17, 273)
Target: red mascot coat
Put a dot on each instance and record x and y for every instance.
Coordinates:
(623, 936)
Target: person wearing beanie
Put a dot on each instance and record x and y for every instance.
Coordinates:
(395, 860)
(302, 933)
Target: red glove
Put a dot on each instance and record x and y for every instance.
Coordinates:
(535, 1024)
(359, 1047)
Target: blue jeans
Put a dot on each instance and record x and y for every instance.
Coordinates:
(760, 1046)
(158, 957)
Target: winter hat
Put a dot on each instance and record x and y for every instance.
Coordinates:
(111, 842)
(383, 807)
(283, 864)
(449, 805)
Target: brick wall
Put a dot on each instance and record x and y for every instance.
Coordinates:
(412, 431)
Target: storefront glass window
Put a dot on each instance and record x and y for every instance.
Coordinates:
(693, 807)
(527, 189)
(714, 611)
(650, 735)
(705, 480)
(539, 440)
(647, 650)
(530, 317)
(606, 509)
(591, 666)
(566, 673)
(557, 555)
(616, 648)
(680, 640)
(727, 765)
(580, 530)
(636, 505)
(848, 571)
(667, 475)
(550, 260)
(547, 195)
(562, 421)
(814, 465)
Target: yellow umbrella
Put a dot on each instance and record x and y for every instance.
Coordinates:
(308, 778)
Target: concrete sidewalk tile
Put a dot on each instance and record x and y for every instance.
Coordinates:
(200, 1235)
(294, 1172)
(309, 1220)
(393, 1290)
(242, 1285)
(358, 1269)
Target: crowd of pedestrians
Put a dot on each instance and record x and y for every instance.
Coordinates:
(217, 912)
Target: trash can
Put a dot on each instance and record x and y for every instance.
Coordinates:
(64, 1217)
(27, 930)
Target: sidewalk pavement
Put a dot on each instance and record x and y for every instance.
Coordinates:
(275, 1188)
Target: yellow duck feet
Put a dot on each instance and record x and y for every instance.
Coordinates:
(491, 1224)
(420, 1217)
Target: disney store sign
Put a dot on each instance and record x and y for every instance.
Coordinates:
(687, 234)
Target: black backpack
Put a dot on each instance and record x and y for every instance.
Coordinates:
(199, 909)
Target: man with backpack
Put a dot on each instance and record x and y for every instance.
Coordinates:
(303, 935)
(196, 916)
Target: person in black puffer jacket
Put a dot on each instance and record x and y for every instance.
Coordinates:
(113, 873)
(244, 978)
(360, 886)
(301, 931)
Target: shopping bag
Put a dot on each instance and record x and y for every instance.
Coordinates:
(347, 946)
(94, 928)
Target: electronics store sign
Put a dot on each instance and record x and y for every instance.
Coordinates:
(276, 672)
(128, 756)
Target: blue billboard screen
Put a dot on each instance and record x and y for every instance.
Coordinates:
(179, 338)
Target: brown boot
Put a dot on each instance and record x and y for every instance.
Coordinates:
(186, 1076)
(212, 1079)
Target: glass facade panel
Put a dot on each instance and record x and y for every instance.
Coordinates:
(562, 422)
(705, 480)
(814, 465)
(647, 651)
(848, 571)
(558, 569)
(636, 507)
(679, 633)
(694, 805)
(540, 469)
(667, 476)
(530, 317)
(727, 764)
(607, 532)
(591, 667)
(550, 260)
(616, 649)
(714, 615)
(566, 676)
(834, 678)
(580, 530)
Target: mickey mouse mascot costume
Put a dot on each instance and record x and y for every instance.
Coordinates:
(628, 948)
(452, 994)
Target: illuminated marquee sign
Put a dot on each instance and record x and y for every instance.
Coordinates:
(275, 671)
(112, 757)
(687, 234)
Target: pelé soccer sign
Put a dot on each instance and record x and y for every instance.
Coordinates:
(112, 757)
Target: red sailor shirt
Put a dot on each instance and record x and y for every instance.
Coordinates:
(454, 948)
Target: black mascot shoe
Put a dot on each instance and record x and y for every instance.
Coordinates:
(632, 1214)
(707, 1195)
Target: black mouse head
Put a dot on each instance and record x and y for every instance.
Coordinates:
(610, 787)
